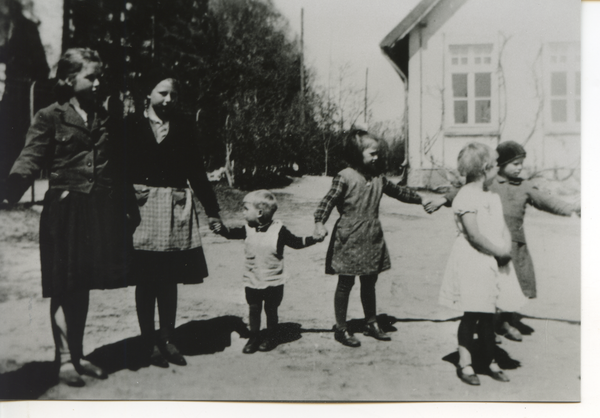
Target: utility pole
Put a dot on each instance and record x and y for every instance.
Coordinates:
(302, 66)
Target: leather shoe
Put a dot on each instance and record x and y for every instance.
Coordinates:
(343, 336)
(267, 345)
(251, 346)
(470, 379)
(499, 376)
(172, 354)
(69, 376)
(88, 369)
(512, 333)
(157, 359)
(373, 330)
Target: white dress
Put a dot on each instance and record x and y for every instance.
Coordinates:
(472, 280)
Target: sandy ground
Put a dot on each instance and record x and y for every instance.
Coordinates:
(308, 364)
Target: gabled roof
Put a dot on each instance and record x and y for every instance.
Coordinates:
(408, 23)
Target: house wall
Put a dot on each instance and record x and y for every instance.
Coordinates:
(520, 31)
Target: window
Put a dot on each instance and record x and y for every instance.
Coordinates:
(563, 85)
(470, 101)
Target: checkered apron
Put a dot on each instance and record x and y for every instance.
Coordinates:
(169, 219)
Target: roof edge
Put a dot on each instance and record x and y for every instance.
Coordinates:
(408, 23)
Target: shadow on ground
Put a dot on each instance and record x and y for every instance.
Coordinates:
(31, 381)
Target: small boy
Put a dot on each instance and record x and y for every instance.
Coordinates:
(264, 241)
(515, 193)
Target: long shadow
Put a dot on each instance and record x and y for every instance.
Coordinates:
(192, 338)
(31, 381)
(504, 361)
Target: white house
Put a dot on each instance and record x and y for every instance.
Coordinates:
(489, 71)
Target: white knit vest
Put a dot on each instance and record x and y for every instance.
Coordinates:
(263, 266)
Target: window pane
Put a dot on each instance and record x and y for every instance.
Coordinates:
(459, 85)
(559, 110)
(483, 111)
(464, 60)
(558, 86)
(454, 61)
(578, 110)
(483, 84)
(461, 111)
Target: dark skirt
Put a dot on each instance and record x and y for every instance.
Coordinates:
(85, 241)
(524, 268)
(162, 267)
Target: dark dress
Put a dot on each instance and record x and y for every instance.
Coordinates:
(85, 236)
(166, 168)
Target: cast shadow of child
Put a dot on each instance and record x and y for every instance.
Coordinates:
(192, 338)
(504, 361)
(31, 381)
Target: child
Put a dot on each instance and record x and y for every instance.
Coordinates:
(264, 242)
(89, 212)
(471, 279)
(515, 193)
(357, 246)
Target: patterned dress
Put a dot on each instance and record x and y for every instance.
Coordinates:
(357, 246)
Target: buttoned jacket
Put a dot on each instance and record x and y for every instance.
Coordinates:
(77, 157)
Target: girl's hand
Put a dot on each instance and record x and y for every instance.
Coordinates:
(320, 232)
(215, 224)
(433, 203)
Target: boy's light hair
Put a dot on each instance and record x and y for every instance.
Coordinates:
(263, 200)
(474, 159)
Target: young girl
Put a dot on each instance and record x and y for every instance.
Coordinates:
(264, 241)
(89, 212)
(357, 247)
(472, 278)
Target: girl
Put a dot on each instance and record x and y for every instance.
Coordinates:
(357, 247)
(472, 277)
(164, 157)
(89, 212)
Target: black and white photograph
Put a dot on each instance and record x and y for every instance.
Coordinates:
(292, 200)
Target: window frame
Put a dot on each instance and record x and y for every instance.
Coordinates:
(471, 128)
(571, 67)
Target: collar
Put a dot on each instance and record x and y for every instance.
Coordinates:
(262, 228)
(151, 115)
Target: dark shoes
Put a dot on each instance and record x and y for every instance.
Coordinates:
(69, 376)
(470, 379)
(251, 346)
(373, 330)
(343, 336)
(511, 332)
(157, 359)
(499, 376)
(267, 345)
(172, 354)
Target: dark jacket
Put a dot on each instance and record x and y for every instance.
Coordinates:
(77, 158)
(175, 162)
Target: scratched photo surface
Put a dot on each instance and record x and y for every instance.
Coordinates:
(270, 89)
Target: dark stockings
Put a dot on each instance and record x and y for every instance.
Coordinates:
(367, 297)
(483, 324)
(146, 297)
(68, 313)
(272, 297)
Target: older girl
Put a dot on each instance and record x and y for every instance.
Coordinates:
(357, 247)
(165, 157)
(89, 211)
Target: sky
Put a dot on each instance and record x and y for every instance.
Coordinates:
(348, 32)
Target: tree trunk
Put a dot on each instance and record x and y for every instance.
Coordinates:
(229, 165)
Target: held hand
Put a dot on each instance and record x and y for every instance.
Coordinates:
(433, 203)
(215, 224)
(320, 232)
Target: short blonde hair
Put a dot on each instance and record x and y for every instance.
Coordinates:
(263, 200)
(474, 159)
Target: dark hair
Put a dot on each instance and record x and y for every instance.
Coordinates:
(354, 145)
(69, 65)
(153, 77)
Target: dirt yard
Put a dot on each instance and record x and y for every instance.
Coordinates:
(308, 365)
